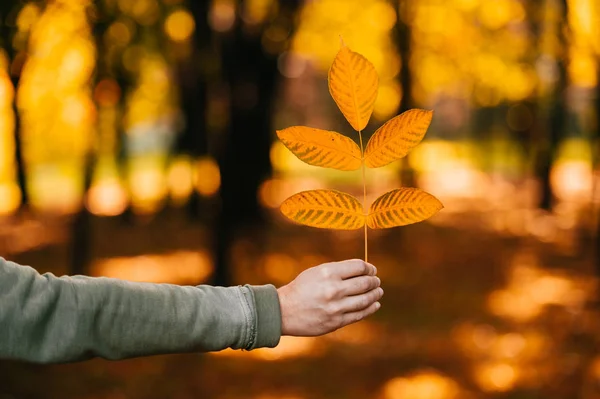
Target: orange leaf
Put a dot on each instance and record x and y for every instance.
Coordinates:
(397, 137)
(402, 206)
(353, 84)
(326, 209)
(321, 147)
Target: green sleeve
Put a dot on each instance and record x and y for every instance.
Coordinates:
(47, 319)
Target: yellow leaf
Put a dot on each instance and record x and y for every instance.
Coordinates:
(353, 85)
(321, 147)
(401, 207)
(397, 137)
(326, 209)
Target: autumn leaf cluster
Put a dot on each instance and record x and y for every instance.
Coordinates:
(353, 85)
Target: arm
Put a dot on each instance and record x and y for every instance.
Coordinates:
(46, 319)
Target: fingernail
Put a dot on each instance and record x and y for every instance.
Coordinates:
(374, 270)
(377, 305)
(378, 281)
(381, 290)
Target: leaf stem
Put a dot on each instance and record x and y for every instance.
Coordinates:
(364, 180)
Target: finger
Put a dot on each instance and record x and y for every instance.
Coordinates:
(359, 285)
(374, 269)
(359, 302)
(352, 268)
(353, 317)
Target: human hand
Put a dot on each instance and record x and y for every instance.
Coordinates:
(327, 297)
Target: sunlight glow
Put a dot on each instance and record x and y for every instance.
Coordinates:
(497, 377)
(147, 182)
(180, 179)
(530, 289)
(288, 348)
(421, 385)
(180, 267)
(107, 198)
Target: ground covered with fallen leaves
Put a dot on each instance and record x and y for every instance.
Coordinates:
(467, 313)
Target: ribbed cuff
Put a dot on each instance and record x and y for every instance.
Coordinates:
(268, 316)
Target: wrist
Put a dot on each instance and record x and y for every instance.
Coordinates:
(267, 325)
(283, 306)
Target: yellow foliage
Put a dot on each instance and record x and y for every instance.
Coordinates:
(11, 198)
(54, 96)
(327, 209)
(584, 19)
(471, 49)
(397, 137)
(152, 100)
(353, 85)
(402, 206)
(9, 190)
(321, 147)
(27, 17)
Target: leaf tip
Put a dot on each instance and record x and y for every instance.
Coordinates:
(428, 114)
(439, 204)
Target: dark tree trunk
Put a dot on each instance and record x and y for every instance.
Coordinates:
(402, 33)
(555, 116)
(244, 160)
(81, 228)
(596, 169)
(193, 88)
(20, 162)
(252, 75)
(530, 136)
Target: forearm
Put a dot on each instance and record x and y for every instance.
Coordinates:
(48, 319)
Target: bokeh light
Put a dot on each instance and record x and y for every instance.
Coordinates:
(222, 15)
(422, 385)
(179, 25)
(181, 267)
(207, 176)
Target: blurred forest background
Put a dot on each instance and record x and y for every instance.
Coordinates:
(137, 141)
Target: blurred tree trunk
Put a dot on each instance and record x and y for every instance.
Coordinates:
(596, 171)
(402, 34)
(192, 82)
(528, 137)
(244, 160)
(554, 109)
(6, 35)
(81, 228)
